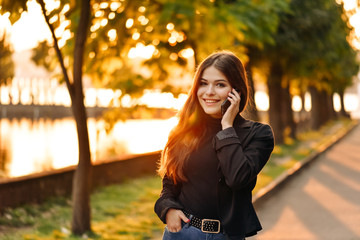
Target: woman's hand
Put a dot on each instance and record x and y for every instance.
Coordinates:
(230, 114)
(173, 219)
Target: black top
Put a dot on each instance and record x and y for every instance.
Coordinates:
(242, 151)
(198, 195)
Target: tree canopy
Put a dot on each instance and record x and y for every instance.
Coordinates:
(172, 32)
(6, 62)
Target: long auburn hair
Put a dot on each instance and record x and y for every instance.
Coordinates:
(186, 136)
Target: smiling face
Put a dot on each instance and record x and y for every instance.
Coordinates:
(213, 91)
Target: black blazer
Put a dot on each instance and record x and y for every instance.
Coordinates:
(242, 151)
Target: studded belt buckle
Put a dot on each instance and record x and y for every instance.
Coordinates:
(209, 226)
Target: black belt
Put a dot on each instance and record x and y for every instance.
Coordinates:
(205, 225)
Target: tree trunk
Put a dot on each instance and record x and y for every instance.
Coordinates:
(81, 182)
(315, 108)
(330, 104)
(251, 110)
(275, 99)
(303, 115)
(343, 112)
(325, 110)
(288, 116)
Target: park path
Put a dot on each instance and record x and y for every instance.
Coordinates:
(320, 202)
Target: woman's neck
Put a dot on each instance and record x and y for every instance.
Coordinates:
(213, 123)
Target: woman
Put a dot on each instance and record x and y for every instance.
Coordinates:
(211, 160)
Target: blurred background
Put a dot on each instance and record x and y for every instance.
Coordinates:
(301, 57)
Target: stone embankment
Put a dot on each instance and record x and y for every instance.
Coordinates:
(36, 188)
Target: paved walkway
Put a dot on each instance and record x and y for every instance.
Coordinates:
(321, 202)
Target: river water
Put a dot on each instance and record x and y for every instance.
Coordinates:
(30, 146)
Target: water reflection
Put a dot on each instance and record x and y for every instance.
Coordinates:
(29, 146)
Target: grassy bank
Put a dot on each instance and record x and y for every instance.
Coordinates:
(125, 211)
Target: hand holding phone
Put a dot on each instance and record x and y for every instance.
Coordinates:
(226, 104)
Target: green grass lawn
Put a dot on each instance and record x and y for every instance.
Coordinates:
(125, 211)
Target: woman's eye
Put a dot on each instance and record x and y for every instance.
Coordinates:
(221, 85)
(203, 83)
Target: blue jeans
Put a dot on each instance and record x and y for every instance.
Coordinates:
(191, 233)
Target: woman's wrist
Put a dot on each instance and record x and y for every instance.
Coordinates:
(225, 126)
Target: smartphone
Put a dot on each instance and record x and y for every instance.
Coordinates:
(225, 105)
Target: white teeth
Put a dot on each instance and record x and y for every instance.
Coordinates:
(210, 101)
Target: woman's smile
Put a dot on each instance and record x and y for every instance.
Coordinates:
(211, 101)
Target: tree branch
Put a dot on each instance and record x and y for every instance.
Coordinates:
(58, 51)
